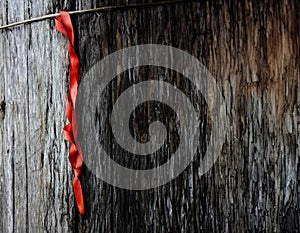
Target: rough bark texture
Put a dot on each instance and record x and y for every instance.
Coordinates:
(252, 48)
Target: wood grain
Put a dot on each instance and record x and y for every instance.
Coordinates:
(252, 48)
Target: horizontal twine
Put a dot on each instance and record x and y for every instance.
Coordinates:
(104, 8)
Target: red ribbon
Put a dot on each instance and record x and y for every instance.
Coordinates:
(63, 24)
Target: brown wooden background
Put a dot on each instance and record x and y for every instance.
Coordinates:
(251, 47)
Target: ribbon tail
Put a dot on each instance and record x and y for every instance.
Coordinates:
(78, 195)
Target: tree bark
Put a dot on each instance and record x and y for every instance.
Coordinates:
(252, 48)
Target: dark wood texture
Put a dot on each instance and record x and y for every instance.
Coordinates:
(252, 48)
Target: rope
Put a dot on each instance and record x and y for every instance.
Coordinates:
(104, 8)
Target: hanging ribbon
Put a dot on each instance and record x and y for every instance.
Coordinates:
(63, 24)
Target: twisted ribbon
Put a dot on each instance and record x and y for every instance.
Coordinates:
(63, 24)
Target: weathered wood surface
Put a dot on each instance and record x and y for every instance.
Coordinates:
(252, 48)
